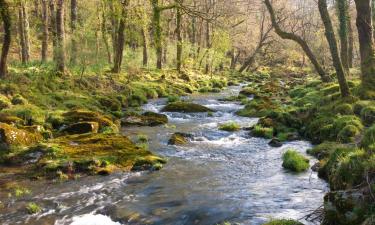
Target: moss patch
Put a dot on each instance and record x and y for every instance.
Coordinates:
(231, 126)
(294, 161)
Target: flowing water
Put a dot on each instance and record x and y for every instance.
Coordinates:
(218, 177)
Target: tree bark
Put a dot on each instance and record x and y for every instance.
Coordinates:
(6, 18)
(302, 43)
(351, 42)
(53, 27)
(366, 48)
(45, 31)
(179, 37)
(343, 16)
(120, 39)
(157, 33)
(73, 27)
(104, 33)
(23, 28)
(330, 35)
(145, 46)
(60, 37)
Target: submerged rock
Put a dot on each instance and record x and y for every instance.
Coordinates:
(146, 119)
(179, 139)
(186, 107)
(81, 128)
(10, 135)
(275, 143)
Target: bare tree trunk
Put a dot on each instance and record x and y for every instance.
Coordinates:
(23, 28)
(365, 35)
(120, 40)
(45, 31)
(179, 37)
(73, 27)
(104, 34)
(298, 40)
(60, 37)
(330, 35)
(6, 18)
(351, 42)
(144, 46)
(53, 27)
(343, 16)
(114, 22)
(157, 33)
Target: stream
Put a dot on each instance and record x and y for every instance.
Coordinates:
(218, 177)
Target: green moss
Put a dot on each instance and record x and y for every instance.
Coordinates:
(369, 137)
(33, 208)
(348, 134)
(231, 126)
(19, 100)
(344, 109)
(185, 107)
(4, 102)
(29, 113)
(283, 222)
(10, 136)
(260, 131)
(178, 139)
(173, 98)
(247, 91)
(294, 161)
(368, 115)
(324, 150)
(359, 105)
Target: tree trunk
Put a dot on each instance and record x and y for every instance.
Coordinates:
(208, 46)
(298, 40)
(179, 37)
(330, 35)
(53, 27)
(343, 16)
(23, 29)
(157, 33)
(45, 31)
(114, 22)
(60, 37)
(104, 34)
(351, 41)
(6, 18)
(120, 40)
(365, 35)
(144, 45)
(73, 27)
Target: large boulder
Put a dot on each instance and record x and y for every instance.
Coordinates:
(10, 135)
(146, 119)
(81, 128)
(179, 138)
(186, 107)
(275, 143)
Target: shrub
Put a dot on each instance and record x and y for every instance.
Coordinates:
(231, 126)
(294, 161)
(368, 115)
(260, 131)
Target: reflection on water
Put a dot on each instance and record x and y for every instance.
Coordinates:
(219, 176)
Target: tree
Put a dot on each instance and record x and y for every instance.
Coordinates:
(366, 48)
(6, 18)
(178, 33)
(23, 30)
(60, 37)
(330, 35)
(120, 38)
(298, 40)
(53, 27)
(73, 27)
(45, 31)
(343, 16)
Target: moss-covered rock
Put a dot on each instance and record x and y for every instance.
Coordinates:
(186, 107)
(9, 119)
(348, 134)
(4, 102)
(247, 91)
(283, 222)
(10, 135)
(265, 132)
(179, 139)
(368, 115)
(369, 137)
(146, 119)
(81, 128)
(275, 143)
(344, 109)
(359, 105)
(230, 127)
(19, 100)
(294, 161)
(30, 114)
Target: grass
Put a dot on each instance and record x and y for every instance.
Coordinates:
(260, 131)
(230, 126)
(294, 161)
(283, 222)
(33, 208)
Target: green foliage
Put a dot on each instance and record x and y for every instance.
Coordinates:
(283, 222)
(173, 98)
(348, 134)
(368, 115)
(4, 102)
(260, 131)
(359, 105)
(344, 109)
(294, 161)
(369, 137)
(33, 208)
(324, 150)
(230, 126)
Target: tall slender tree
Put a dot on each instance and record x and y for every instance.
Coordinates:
(73, 27)
(330, 35)
(44, 30)
(178, 33)
(6, 18)
(343, 16)
(23, 30)
(120, 38)
(366, 45)
(60, 37)
(52, 27)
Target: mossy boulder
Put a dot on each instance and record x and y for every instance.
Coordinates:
(247, 91)
(4, 102)
(283, 222)
(77, 116)
(294, 161)
(344, 109)
(9, 119)
(265, 132)
(369, 137)
(179, 139)
(368, 115)
(348, 134)
(275, 143)
(30, 114)
(324, 150)
(146, 119)
(230, 127)
(81, 128)
(10, 136)
(359, 105)
(186, 107)
(19, 100)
